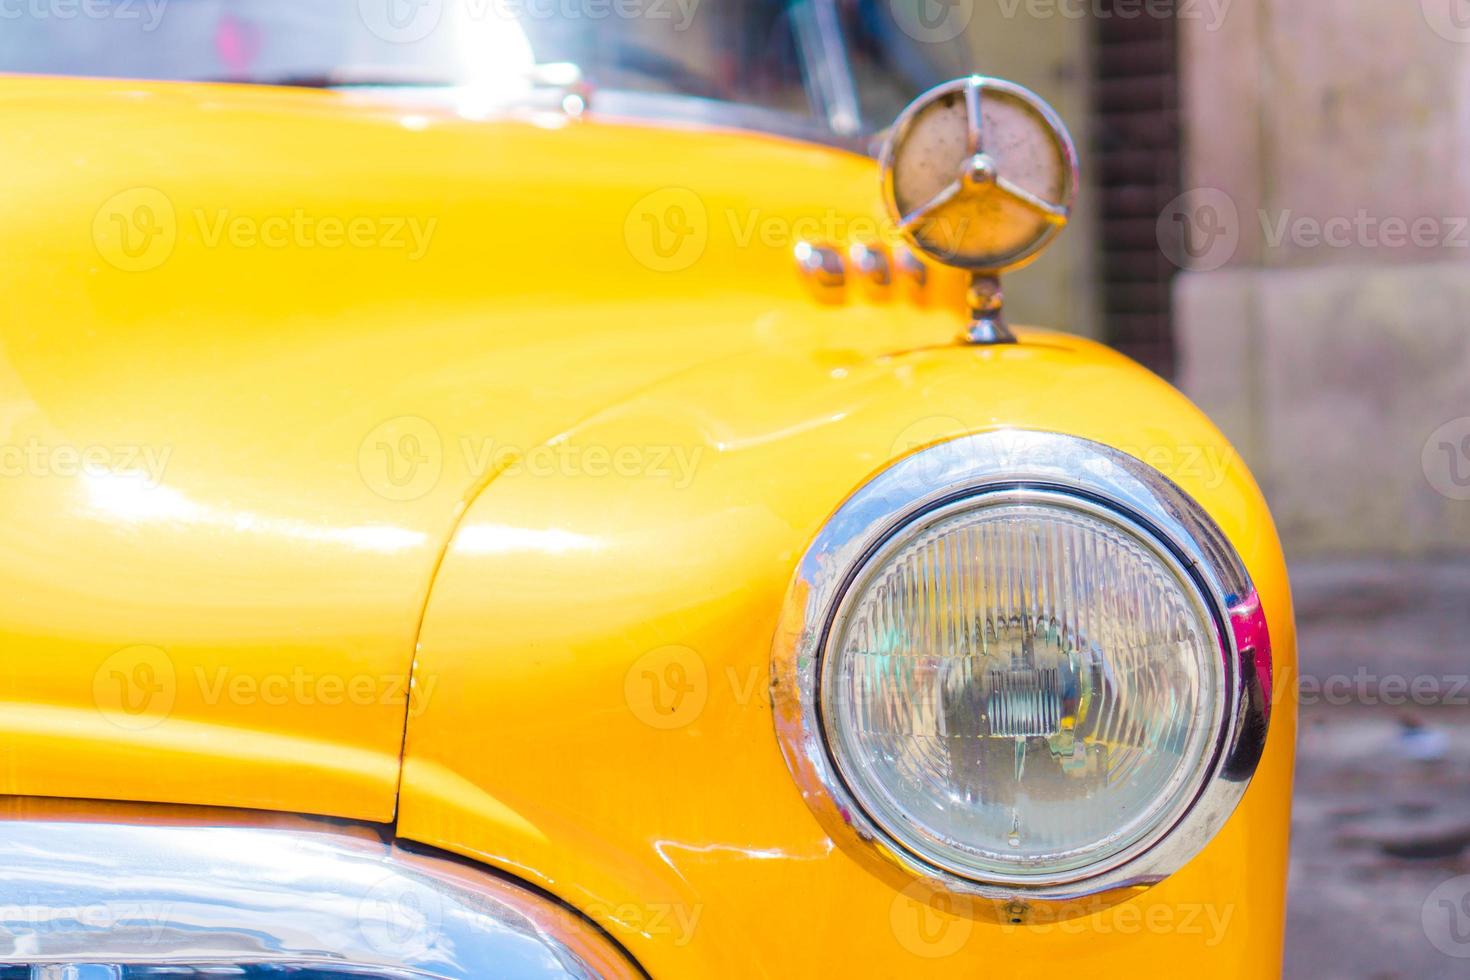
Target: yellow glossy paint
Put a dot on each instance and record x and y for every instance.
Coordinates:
(600, 645)
(594, 369)
(221, 606)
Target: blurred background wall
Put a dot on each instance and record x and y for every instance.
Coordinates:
(1277, 218)
(1328, 341)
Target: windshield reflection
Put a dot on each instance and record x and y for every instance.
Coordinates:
(821, 60)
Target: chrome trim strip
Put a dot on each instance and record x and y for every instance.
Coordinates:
(1021, 461)
(82, 897)
(650, 108)
(665, 108)
(830, 85)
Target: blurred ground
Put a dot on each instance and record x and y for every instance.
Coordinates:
(1380, 870)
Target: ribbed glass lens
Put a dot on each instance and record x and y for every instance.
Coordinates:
(1023, 688)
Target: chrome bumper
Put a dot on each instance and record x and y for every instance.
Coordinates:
(88, 900)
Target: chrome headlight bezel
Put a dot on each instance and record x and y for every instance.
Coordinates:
(1041, 465)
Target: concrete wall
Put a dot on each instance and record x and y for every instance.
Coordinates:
(1326, 324)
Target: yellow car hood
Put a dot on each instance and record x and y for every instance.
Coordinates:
(259, 349)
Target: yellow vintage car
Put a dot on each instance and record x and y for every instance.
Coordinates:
(534, 490)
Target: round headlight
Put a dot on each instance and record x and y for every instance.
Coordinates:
(1026, 675)
(1019, 687)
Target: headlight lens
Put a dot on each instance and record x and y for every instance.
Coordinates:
(1020, 686)
(1024, 666)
